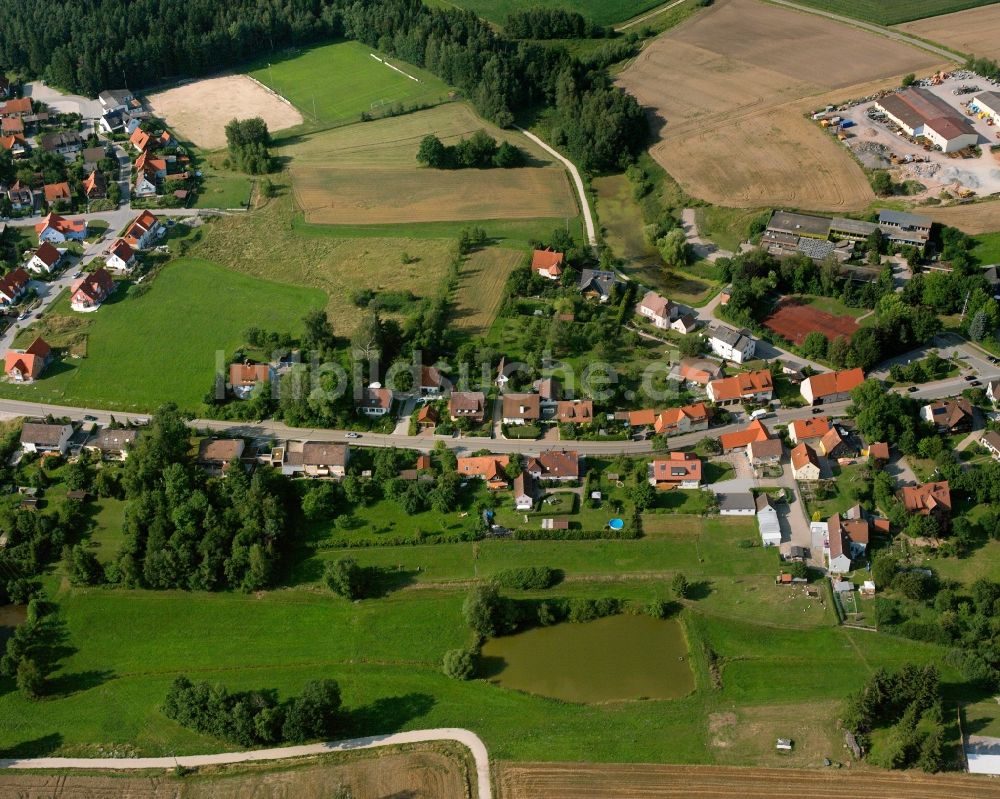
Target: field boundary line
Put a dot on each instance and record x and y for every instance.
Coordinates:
(465, 737)
(581, 191)
(881, 30)
(650, 15)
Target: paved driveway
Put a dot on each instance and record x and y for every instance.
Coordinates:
(64, 103)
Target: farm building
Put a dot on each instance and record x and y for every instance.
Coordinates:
(987, 104)
(922, 113)
(767, 521)
(831, 386)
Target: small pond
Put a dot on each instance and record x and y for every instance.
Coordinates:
(10, 617)
(615, 658)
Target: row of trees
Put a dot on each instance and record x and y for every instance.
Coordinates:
(552, 23)
(254, 717)
(481, 151)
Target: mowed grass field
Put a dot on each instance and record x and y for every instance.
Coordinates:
(335, 83)
(893, 12)
(267, 244)
(730, 88)
(367, 174)
(386, 654)
(603, 12)
(975, 31)
(143, 351)
(480, 287)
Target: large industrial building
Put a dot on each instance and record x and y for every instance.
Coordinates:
(819, 237)
(919, 112)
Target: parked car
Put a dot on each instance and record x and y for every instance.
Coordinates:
(911, 389)
(817, 410)
(975, 383)
(969, 378)
(354, 435)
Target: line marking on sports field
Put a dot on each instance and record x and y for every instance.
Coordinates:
(383, 61)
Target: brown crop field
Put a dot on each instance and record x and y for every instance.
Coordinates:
(367, 174)
(198, 111)
(480, 287)
(625, 781)
(975, 32)
(415, 775)
(729, 90)
(973, 218)
(793, 320)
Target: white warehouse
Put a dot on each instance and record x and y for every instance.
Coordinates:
(922, 113)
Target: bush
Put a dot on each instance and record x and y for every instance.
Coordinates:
(345, 578)
(680, 586)
(527, 578)
(459, 664)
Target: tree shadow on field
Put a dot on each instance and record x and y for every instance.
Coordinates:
(67, 684)
(386, 715)
(39, 747)
(699, 590)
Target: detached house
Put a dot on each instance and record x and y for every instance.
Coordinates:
(991, 442)
(61, 143)
(245, 377)
(215, 455)
(574, 411)
(547, 264)
(679, 470)
(744, 387)
(805, 464)
(145, 182)
(808, 429)
(87, 293)
(658, 310)
(121, 257)
(831, 386)
(766, 452)
(491, 468)
(430, 382)
(144, 230)
(929, 499)
(141, 140)
(26, 366)
(16, 107)
(686, 419)
(56, 229)
(312, 458)
(755, 431)
(732, 345)
(832, 444)
(699, 371)
(13, 286)
(555, 464)
(44, 259)
(524, 492)
(95, 187)
(46, 437)
(952, 416)
(521, 408)
(21, 197)
(685, 324)
(598, 284)
(113, 445)
(374, 401)
(115, 99)
(847, 539)
(469, 405)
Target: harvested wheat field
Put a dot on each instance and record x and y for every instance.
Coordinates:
(623, 781)
(415, 775)
(367, 174)
(480, 287)
(730, 89)
(973, 218)
(199, 111)
(975, 32)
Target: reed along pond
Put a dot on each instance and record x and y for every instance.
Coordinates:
(611, 659)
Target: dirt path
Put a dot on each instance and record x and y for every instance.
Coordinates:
(703, 248)
(464, 737)
(650, 15)
(889, 33)
(588, 217)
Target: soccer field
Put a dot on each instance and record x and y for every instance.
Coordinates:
(337, 82)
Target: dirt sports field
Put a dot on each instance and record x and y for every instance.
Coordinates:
(623, 781)
(794, 320)
(975, 32)
(729, 89)
(416, 775)
(367, 174)
(199, 111)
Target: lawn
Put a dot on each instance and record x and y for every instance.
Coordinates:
(221, 187)
(162, 344)
(336, 83)
(987, 249)
(603, 12)
(480, 288)
(726, 227)
(893, 12)
(841, 499)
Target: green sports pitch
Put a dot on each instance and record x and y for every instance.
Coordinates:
(336, 83)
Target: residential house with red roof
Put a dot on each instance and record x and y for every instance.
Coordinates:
(491, 468)
(554, 464)
(144, 231)
(25, 366)
(145, 182)
(547, 264)
(88, 292)
(57, 192)
(521, 408)
(18, 106)
(141, 140)
(574, 411)
(56, 229)
(755, 431)
(95, 186)
(120, 257)
(13, 285)
(805, 464)
(246, 376)
(374, 401)
(469, 405)
(686, 419)
(678, 470)
(929, 499)
(700, 371)
(744, 387)
(832, 444)
(44, 259)
(657, 309)
(831, 386)
(16, 144)
(808, 429)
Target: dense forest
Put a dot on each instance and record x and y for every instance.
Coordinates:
(90, 45)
